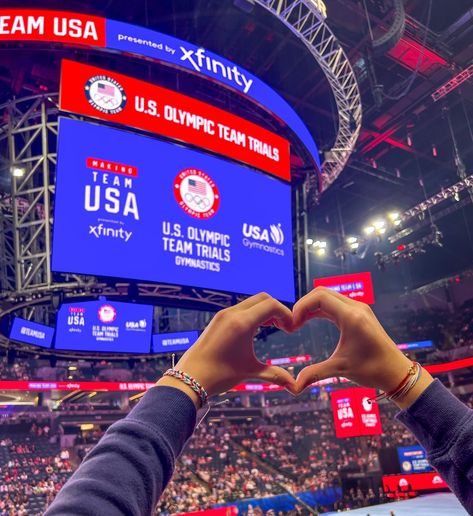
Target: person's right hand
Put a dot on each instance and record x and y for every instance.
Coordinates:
(364, 354)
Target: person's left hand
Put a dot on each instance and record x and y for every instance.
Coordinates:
(223, 356)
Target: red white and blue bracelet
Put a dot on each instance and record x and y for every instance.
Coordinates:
(191, 382)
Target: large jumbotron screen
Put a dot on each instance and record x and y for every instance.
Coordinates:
(130, 206)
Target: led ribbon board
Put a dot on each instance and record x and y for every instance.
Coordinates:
(94, 31)
(31, 332)
(150, 210)
(114, 97)
(104, 326)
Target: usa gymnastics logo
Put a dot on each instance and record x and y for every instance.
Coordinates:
(107, 314)
(105, 94)
(196, 193)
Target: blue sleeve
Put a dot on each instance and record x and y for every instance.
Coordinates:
(444, 427)
(129, 468)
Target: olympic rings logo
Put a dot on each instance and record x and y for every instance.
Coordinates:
(200, 202)
(106, 99)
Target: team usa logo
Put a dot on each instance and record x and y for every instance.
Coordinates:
(196, 193)
(107, 314)
(105, 94)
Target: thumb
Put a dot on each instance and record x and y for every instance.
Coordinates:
(315, 373)
(275, 374)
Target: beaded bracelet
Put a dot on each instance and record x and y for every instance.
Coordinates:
(191, 382)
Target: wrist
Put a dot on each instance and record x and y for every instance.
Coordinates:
(410, 397)
(169, 381)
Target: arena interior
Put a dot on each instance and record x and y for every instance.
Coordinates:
(163, 160)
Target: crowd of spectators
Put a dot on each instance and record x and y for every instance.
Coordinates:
(32, 468)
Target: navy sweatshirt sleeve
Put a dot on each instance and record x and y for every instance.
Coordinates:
(444, 427)
(129, 468)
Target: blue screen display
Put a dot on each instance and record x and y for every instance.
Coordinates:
(31, 333)
(104, 326)
(130, 206)
(413, 459)
(156, 45)
(174, 342)
(422, 344)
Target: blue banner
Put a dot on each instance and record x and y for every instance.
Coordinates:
(174, 342)
(129, 206)
(104, 326)
(413, 459)
(31, 333)
(162, 47)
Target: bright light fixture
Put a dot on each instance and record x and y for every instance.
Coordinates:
(320, 251)
(309, 241)
(18, 171)
(369, 230)
(393, 216)
(352, 240)
(354, 245)
(378, 224)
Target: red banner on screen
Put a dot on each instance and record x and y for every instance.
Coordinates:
(114, 97)
(413, 482)
(221, 511)
(21, 385)
(55, 26)
(358, 286)
(289, 360)
(353, 415)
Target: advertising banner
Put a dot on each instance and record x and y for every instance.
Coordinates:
(174, 342)
(413, 482)
(111, 96)
(357, 286)
(104, 326)
(31, 332)
(353, 414)
(413, 459)
(149, 210)
(289, 360)
(422, 344)
(83, 29)
(22, 385)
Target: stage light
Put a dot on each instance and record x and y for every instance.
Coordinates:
(321, 251)
(18, 171)
(72, 368)
(323, 244)
(393, 216)
(381, 231)
(309, 241)
(369, 230)
(456, 196)
(379, 224)
(354, 246)
(397, 222)
(352, 240)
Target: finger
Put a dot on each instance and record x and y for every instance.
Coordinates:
(251, 301)
(320, 300)
(270, 309)
(315, 373)
(275, 374)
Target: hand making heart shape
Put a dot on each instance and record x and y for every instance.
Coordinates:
(224, 356)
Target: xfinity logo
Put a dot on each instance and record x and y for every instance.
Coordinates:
(101, 231)
(199, 60)
(268, 240)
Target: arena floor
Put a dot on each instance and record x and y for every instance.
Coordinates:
(440, 504)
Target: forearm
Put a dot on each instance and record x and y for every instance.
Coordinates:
(129, 468)
(443, 425)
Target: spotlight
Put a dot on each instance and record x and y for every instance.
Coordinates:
(369, 230)
(354, 246)
(456, 196)
(379, 224)
(352, 240)
(323, 244)
(309, 241)
(321, 251)
(393, 216)
(18, 171)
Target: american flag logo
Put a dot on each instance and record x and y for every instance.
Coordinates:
(197, 187)
(106, 89)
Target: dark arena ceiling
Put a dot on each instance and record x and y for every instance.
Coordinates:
(393, 167)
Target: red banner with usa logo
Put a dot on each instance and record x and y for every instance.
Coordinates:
(110, 96)
(354, 414)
